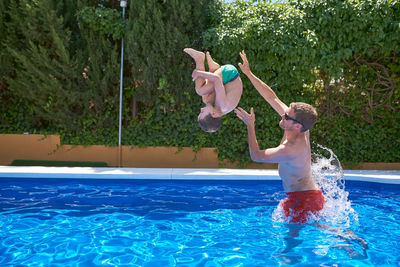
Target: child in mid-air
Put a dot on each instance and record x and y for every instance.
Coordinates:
(220, 89)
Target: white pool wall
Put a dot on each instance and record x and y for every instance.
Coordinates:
(389, 177)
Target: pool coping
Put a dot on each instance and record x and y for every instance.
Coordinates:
(378, 176)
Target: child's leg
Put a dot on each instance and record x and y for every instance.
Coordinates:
(209, 86)
(205, 88)
(212, 65)
(198, 57)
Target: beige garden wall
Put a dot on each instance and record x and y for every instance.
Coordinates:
(39, 147)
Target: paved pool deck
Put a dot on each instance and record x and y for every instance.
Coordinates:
(388, 177)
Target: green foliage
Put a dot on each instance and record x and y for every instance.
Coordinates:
(102, 20)
(59, 71)
(156, 34)
(10, 107)
(333, 54)
(63, 89)
(356, 43)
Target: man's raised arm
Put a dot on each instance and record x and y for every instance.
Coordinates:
(265, 91)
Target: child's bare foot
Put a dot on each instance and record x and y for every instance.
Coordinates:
(198, 57)
(212, 65)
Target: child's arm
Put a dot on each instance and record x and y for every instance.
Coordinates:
(220, 94)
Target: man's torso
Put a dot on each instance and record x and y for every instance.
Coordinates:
(295, 172)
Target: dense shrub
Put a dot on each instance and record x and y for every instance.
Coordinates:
(341, 56)
(58, 80)
(59, 71)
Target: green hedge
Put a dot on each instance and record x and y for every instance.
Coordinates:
(59, 71)
(341, 56)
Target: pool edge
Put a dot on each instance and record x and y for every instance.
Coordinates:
(390, 177)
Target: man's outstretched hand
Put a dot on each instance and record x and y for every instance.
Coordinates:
(245, 66)
(247, 118)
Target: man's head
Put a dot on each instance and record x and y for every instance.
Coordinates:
(209, 119)
(301, 115)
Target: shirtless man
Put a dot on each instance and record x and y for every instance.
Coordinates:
(294, 152)
(220, 86)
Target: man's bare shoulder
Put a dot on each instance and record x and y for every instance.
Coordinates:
(292, 150)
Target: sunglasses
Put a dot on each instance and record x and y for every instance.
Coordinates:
(287, 117)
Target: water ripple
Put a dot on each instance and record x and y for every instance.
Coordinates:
(167, 224)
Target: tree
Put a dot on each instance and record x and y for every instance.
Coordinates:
(156, 34)
(63, 88)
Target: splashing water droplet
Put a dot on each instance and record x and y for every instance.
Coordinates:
(328, 174)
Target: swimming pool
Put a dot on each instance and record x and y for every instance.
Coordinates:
(171, 221)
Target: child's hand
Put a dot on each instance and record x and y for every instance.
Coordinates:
(195, 75)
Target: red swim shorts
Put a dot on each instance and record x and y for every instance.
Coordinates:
(298, 205)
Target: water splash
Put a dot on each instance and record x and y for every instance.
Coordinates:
(328, 174)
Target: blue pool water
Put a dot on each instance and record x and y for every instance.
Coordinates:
(188, 223)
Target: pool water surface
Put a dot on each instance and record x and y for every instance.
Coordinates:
(188, 223)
